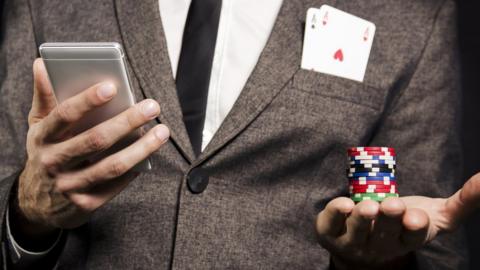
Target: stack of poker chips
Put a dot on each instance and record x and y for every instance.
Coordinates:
(371, 173)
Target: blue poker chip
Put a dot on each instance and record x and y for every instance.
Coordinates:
(371, 174)
(372, 158)
(371, 178)
(372, 161)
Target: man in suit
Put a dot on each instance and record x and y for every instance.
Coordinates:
(260, 150)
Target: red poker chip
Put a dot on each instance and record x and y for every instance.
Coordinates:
(359, 193)
(373, 188)
(370, 153)
(367, 190)
(372, 149)
(373, 182)
(374, 152)
(370, 187)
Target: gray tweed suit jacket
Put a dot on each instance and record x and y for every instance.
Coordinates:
(278, 157)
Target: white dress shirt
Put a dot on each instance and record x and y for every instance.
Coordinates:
(244, 28)
(243, 31)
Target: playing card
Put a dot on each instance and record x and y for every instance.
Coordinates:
(337, 43)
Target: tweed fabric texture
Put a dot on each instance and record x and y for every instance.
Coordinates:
(279, 156)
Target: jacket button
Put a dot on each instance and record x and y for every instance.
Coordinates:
(197, 180)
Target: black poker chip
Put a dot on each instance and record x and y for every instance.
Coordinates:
(370, 166)
(371, 173)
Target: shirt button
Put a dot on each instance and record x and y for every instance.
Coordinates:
(197, 180)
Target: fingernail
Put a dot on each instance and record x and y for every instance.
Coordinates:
(106, 90)
(162, 133)
(150, 109)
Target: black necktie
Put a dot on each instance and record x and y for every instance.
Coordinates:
(195, 65)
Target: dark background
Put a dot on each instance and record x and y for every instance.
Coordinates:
(469, 32)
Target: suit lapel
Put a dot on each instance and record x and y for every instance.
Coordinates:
(146, 48)
(277, 64)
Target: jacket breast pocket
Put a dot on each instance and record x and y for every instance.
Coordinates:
(339, 88)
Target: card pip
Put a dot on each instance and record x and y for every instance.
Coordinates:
(337, 43)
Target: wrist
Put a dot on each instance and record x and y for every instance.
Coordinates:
(29, 234)
(27, 221)
(26, 226)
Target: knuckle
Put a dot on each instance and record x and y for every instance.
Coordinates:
(84, 203)
(34, 136)
(58, 185)
(131, 118)
(153, 143)
(47, 161)
(31, 117)
(91, 98)
(96, 141)
(118, 168)
(63, 112)
(135, 118)
(89, 182)
(64, 157)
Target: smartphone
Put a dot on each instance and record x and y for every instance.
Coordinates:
(74, 67)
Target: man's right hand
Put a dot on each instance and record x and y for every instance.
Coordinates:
(52, 194)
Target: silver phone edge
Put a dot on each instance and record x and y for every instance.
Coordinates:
(146, 164)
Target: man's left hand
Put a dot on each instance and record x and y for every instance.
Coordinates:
(371, 234)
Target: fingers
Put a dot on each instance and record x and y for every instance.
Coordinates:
(331, 221)
(463, 203)
(415, 228)
(359, 223)
(104, 135)
(101, 194)
(75, 108)
(388, 226)
(43, 101)
(115, 165)
(470, 193)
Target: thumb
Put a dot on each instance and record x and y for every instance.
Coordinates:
(43, 97)
(460, 205)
